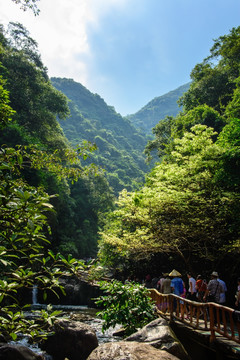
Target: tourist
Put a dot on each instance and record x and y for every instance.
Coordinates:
(214, 289)
(191, 295)
(148, 281)
(160, 282)
(237, 302)
(166, 285)
(201, 287)
(222, 299)
(155, 282)
(177, 284)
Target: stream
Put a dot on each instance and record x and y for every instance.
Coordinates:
(74, 313)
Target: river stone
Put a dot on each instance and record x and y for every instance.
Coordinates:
(129, 351)
(18, 352)
(158, 334)
(72, 340)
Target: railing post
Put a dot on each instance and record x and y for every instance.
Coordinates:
(211, 315)
(171, 299)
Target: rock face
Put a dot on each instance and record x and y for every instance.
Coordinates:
(129, 351)
(18, 352)
(158, 334)
(73, 340)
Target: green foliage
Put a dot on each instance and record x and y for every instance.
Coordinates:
(119, 144)
(6, 111)
(202, 114)
(127, 304)
(26, 210)
(214, 79)
(169, 128)
(183, 208)
(24, 257)
(163, 138)
(48, 161)
(35, 101)
(189, 205)
(229, 171)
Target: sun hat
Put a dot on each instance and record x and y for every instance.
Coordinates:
(175, 273)
(214, 273)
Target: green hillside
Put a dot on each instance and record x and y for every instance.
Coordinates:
(120, 144)
(157, 109)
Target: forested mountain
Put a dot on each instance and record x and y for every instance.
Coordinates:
(187, 212)
(158, 108)
(46, 160)
(120, 145)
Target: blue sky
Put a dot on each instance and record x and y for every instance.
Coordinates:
(127, 51)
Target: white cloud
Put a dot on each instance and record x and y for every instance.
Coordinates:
(61, 32)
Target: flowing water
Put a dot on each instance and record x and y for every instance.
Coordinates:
(74, 313)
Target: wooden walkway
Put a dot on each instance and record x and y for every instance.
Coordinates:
(215, 325)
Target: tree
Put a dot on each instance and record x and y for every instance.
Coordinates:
(169, 128)
(213, 81)
(6, 111)
(202, 114)
(25, 257)
(163, 138)
(28, 4)
(181, 210)
(35, 101)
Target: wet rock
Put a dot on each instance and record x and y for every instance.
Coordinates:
(129, 351)
(18, 352)
(158, 334)
(73, 340)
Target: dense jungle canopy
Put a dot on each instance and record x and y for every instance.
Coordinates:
(56, 208)
(186, 209)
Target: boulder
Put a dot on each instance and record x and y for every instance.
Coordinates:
(18, 352)
(129, 351)
(158, 334)
(73, 340)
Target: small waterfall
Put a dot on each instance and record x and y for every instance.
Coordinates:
(34, 295)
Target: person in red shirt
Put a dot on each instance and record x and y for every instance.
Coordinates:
(201, 287)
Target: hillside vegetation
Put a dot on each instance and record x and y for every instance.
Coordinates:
(158, 108)
(120, 145)
(187, 212)
(79, 201)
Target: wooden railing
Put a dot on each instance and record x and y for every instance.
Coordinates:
(203, 316)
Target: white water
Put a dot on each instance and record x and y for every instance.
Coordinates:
(89, 317)
(69, 310)
(34, 295)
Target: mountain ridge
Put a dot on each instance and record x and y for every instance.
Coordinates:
(120, 140)
(158, 108)
(120, 144)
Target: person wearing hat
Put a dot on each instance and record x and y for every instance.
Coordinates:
(177, 285)
(166, 285)
(214, 289)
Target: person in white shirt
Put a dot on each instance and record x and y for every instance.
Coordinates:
(192, 288)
